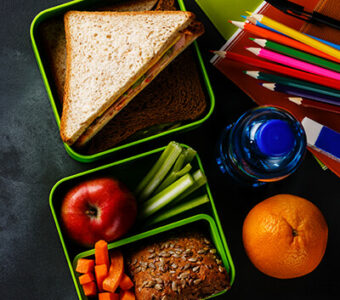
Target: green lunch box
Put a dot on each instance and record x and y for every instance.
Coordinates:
(50, 86)
(130, 171)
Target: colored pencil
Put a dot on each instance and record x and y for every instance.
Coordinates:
(278, 87)
(294, 63)
(294, 83)
(296, 35)
(297, 54)
(332, 83)
(279, 38)
(257, 23)
(313, 104)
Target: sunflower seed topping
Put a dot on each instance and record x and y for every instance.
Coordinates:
(196, 269)
(159, 280)
(206, 241)
(158, 287)
(183, 275)
(152, 266)
(164, 254)
(193, 259)
(197, 281)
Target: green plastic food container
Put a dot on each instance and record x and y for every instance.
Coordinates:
(130, 171)
(50, 86)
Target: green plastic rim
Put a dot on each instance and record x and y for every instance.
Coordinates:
(218, 232)
(50, 12)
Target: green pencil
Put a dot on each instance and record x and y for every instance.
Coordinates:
(294, 83)
(297, 54)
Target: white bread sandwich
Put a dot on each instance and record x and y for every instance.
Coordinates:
(111, 57)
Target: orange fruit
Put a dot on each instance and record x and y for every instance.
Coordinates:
(285, 236)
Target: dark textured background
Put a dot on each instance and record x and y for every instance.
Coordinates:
(32, 159)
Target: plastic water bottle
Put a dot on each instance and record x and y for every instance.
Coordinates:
(265, 144)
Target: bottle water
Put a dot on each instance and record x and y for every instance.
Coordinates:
(265, 144)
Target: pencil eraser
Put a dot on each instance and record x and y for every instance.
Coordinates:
(322, 138)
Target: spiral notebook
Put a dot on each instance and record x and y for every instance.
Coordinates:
(233, 70)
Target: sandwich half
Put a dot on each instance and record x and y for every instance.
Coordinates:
(111, 57)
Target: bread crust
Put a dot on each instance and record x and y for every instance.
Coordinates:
(71, 140)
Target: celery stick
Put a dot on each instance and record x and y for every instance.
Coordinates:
(185, 157)
(179, 162)
(199, 180)
(189, 154)
(173, 176)
(178, 209)
(177, 171)
(166, 196)
(158, 171)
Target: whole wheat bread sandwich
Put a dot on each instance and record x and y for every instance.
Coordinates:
(111, 57)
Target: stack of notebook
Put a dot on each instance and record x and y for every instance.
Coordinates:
(304, 72)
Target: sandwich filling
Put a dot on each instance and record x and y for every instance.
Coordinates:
(184, 39)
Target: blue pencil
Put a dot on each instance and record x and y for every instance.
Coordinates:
(257, 23)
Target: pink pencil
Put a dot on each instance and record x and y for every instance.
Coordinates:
(294, 63)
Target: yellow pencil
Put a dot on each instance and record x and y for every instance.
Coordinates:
(296, 35)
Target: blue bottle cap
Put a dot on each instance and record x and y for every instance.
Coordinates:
(275, 138)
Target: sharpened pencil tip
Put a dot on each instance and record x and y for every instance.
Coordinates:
(254, 74)
(269, 86)
(238, 24)
(219, 53)
(249, 13)
(253, 50)
(260, 42)
(257, 17)
(296, 100)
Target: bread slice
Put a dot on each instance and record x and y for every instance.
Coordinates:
(194, 30)
(52, 32)
(106, 53)
(154, 110)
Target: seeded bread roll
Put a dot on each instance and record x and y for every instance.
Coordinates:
(181, 267)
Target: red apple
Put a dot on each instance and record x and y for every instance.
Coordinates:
(98, 209)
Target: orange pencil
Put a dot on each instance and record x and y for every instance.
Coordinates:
(279, 38)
